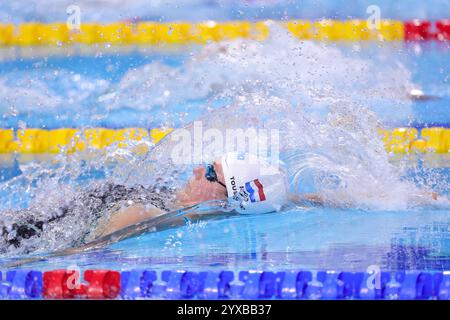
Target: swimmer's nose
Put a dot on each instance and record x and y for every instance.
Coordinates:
(199, 172)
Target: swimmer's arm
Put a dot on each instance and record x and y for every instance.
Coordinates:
(424, 198)
(315, 199)
(306, 199)
(137, 214)
(202, 216)
(127, 217)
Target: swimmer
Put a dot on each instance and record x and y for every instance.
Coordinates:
(252, 184)
(111, 207)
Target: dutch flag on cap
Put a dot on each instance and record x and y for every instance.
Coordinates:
(255, 191)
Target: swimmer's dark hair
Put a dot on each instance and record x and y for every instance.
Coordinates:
(95, 201)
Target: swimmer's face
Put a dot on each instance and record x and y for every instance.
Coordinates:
(198, 189)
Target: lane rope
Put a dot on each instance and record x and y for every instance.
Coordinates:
(188, 33)
(222, 284)
(42, 141)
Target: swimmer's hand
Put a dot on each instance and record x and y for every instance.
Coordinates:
(425, 197)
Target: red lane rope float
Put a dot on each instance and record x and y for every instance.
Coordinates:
(423, 30)
(417, 30)
(443, 30)
(63, 284)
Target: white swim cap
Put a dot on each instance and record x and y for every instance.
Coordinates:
(258, 186)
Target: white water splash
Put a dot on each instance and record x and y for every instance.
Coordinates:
(314, 74)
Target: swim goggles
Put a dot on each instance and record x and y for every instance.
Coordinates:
(211, 175)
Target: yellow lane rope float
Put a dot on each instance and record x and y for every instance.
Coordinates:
(39, 141)
(187, 33)
(42, 141)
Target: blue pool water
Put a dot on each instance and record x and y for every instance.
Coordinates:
(129, 90)
(316, 239)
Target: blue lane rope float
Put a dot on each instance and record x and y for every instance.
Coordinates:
(21, 284)
(251, 284)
